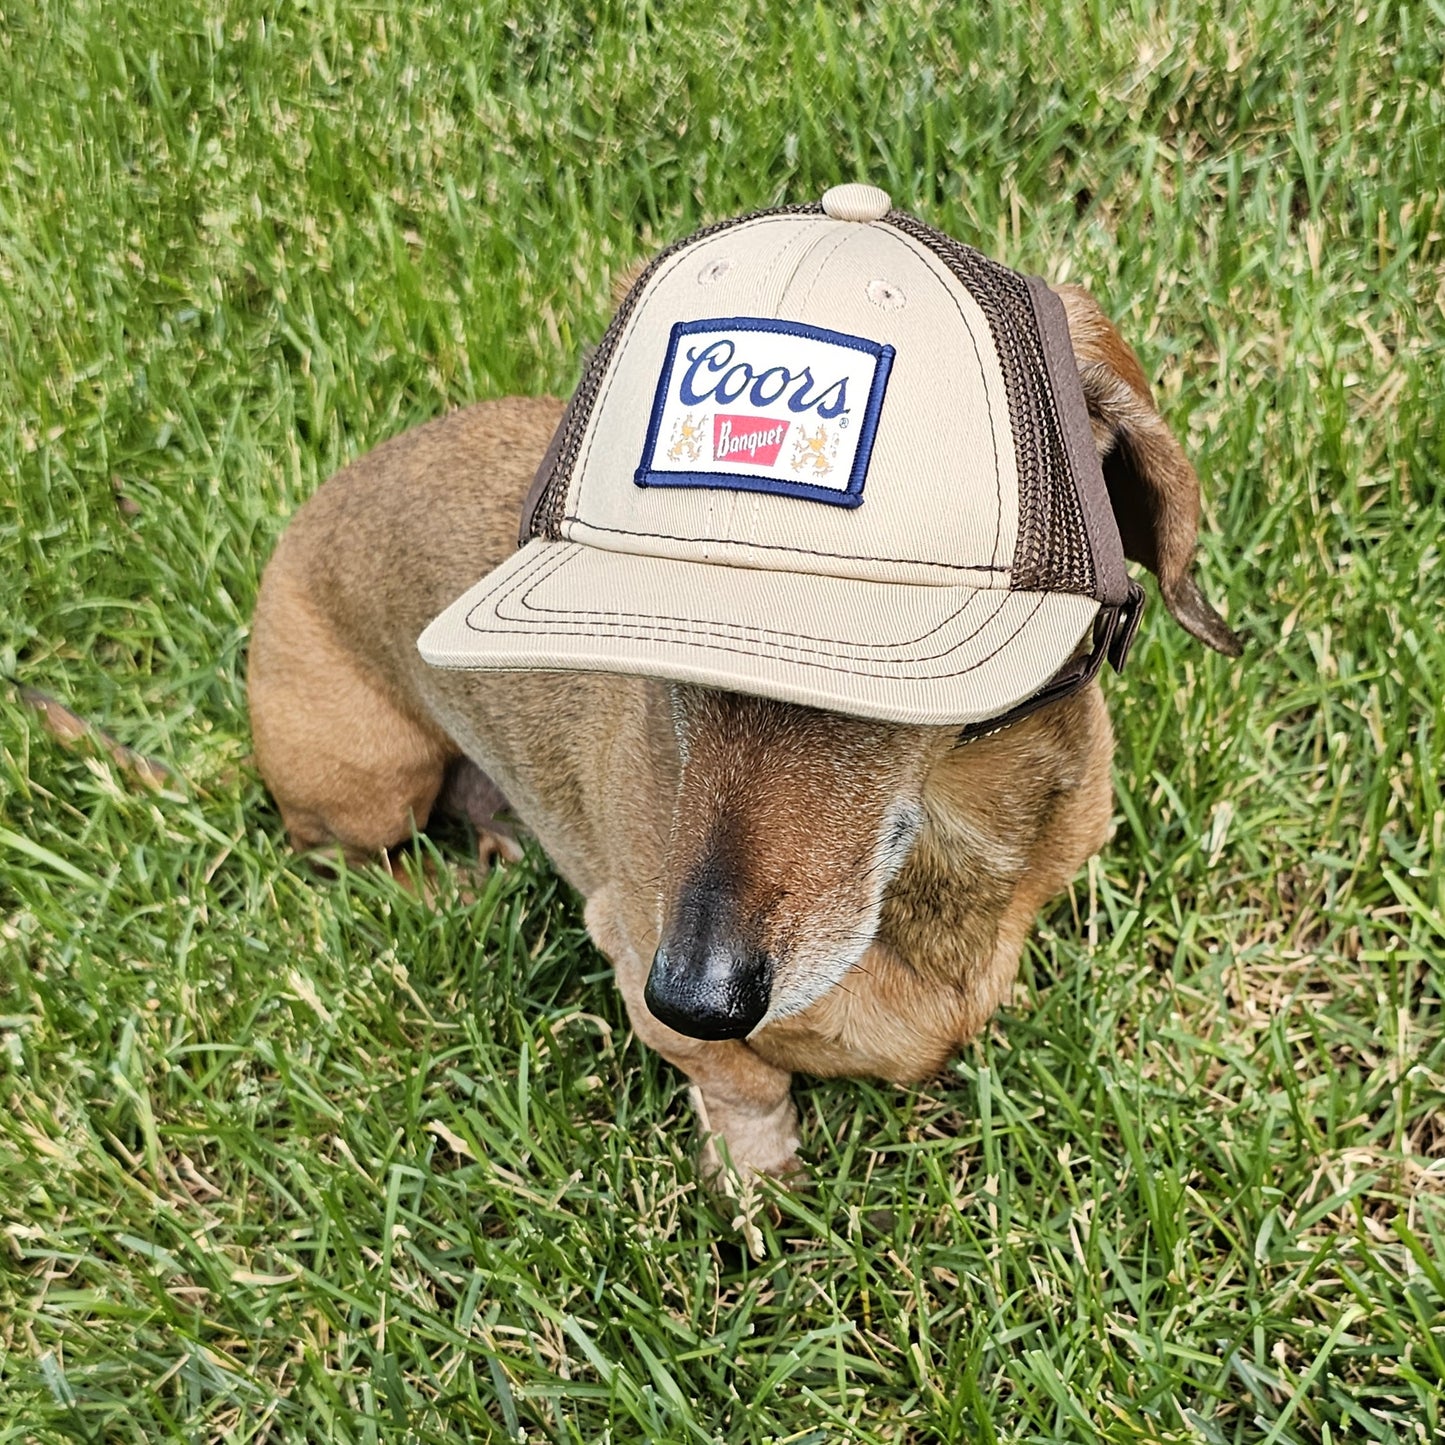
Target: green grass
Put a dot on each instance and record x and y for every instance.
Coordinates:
(284, 1158)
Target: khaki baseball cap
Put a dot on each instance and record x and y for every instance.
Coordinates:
(824, 454)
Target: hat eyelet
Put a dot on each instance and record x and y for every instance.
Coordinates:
(886, 296)
(714, 271)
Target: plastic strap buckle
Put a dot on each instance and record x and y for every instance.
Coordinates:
(1115, 625)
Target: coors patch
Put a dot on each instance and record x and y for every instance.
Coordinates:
(754, 405)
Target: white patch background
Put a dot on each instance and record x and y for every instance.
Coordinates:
(828, 362)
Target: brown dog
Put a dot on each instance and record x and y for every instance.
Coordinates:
(698, 824)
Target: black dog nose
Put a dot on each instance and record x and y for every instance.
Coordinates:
(709, 990)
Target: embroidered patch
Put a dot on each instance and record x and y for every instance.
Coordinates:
(753, 405)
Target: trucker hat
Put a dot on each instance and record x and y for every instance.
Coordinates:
(824, 454)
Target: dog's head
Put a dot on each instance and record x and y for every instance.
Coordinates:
(791, 823)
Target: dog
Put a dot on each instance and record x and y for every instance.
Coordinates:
(874, 881)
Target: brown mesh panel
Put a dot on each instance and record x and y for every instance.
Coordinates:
(551, 504)
(1052, 554)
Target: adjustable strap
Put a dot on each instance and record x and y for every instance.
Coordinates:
(1115, 624)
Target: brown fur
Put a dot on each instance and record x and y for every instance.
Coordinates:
(922, 863)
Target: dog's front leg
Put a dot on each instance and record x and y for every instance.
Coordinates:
(742, 1101)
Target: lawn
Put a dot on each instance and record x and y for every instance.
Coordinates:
(288, 1157)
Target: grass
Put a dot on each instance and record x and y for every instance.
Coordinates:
(284, 1158)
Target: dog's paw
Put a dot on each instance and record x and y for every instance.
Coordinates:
(742, 1189)
(740, 1150)
(495, 847)
(720, 1171)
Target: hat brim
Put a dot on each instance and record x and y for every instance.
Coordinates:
(901, 653)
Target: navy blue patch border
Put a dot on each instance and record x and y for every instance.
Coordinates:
(851, 496)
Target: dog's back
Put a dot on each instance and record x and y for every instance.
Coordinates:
(334, 677)
(356, 736)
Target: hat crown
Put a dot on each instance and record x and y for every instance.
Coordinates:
(824, 454)
(698, 429)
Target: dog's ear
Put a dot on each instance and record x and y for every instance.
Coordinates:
(626, 279)
(1153, 488)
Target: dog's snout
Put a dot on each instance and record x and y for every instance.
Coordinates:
(709, 988)
(711, 977)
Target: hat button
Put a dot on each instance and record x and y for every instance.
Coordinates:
(856, 203)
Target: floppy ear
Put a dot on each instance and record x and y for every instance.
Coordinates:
(1153, 488)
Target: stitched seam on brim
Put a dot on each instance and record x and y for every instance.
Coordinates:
(663, 638)
(743, 632)
(894, 675)
(712, 627)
